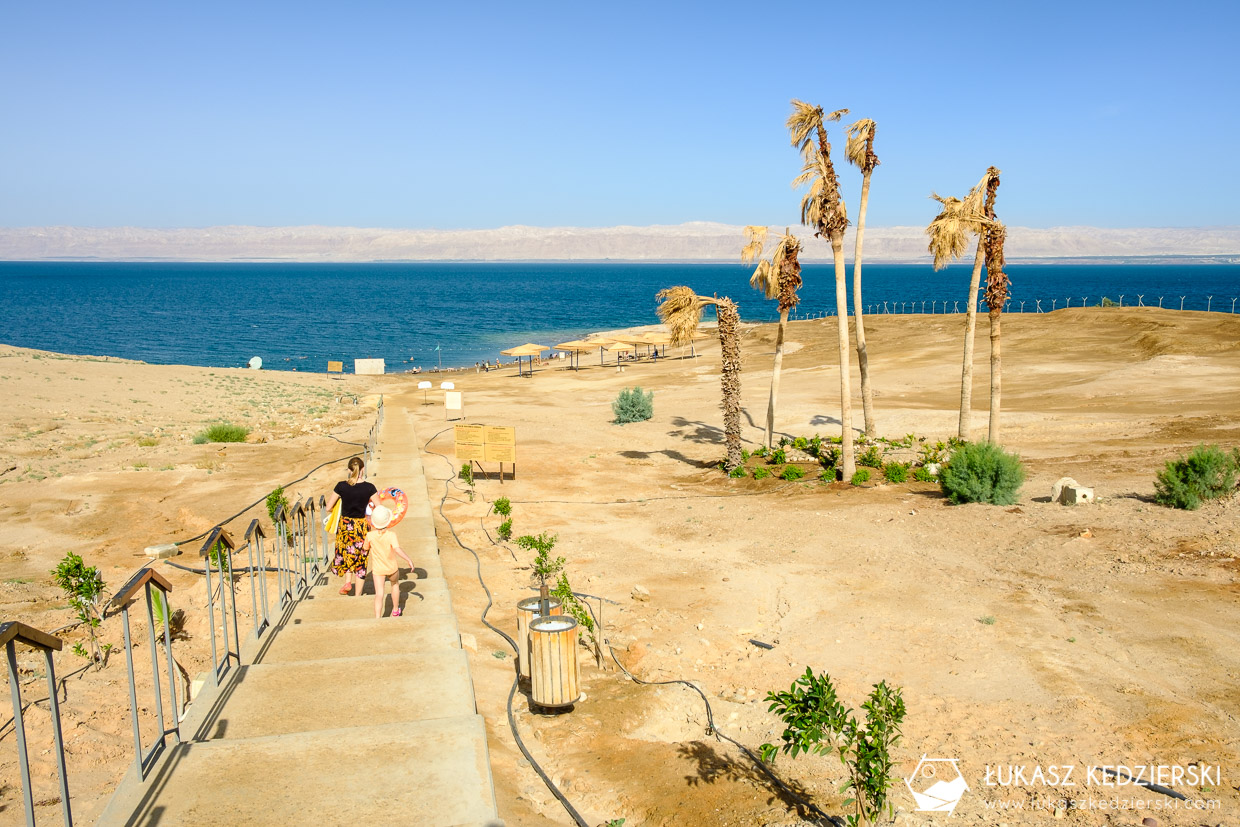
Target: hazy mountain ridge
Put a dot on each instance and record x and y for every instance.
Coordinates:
(692, 241)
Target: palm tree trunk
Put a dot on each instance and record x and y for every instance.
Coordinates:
(847, 457)
(730, 379)
(996, 374)
(863, 361)
(779, 362)
(970, 327)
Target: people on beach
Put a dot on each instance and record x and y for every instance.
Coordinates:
(384, 548)
(355, 494)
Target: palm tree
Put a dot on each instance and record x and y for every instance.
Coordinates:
(996, 297)
(823, 209)
(859, 150)
(681, 310)
(947, 242)
(780, 277)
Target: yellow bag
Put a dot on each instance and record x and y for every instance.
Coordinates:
(332, 521)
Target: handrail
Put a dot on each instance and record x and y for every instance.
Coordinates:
(220, 537)
(16, 630)
(140, 578)
(279, 516)
(254, 536)
(219, 534)
(11, 633)
(255, 528)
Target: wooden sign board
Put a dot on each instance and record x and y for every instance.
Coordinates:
(368, 367)
(499, 435)
(469, 434)
(452, 400)
(335, 367)
(469, 452)
(500, 453)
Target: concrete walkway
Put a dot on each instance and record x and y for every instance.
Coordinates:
(340, 718)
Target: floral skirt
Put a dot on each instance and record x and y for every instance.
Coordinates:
(350, 557)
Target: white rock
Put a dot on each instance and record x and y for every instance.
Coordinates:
(1076, 495)
(1057, 488)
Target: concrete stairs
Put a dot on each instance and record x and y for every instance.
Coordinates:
(340, 718)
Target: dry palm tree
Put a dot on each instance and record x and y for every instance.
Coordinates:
(996, 297)
(780, 277)
(859, 150)
(822, 208)
(948, 241)
(681, 310)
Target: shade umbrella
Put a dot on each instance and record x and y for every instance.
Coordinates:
(618, 348)
(600, 342)
(529, 349)
(657, 337)
(575, 348)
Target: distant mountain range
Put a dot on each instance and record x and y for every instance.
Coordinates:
(693, 241)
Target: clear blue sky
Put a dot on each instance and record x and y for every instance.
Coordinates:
(480, 114)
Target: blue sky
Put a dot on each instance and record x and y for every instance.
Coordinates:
(474, 115)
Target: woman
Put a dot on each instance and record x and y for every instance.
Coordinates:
(354, 495)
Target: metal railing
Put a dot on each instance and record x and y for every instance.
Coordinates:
(217, 551)
(146, 579)
(283, 563)
(254, 537)
(12, 633)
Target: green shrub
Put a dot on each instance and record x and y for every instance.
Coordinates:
(505, 529)
(982, 472)
(922, 475)
(862, 475)
(633, 406)
(760, 451)
(895, 472)
(148, 441)
(467, 473)
(274, 500)
(827, 475)
(792, 472)
(830, 457)
(84, 586)
(1206, 473)
(779, 457)
(222, 432)
(872, 457)
(800, 443)
(745, 455)
(761, 472)
(503, 506)
(737, 472)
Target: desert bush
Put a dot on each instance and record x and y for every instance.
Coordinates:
(505, 529)
(503, 506)
(923, 475)
(761, 472)
(84, 586)
(633, 406)
(862, 475)
(222, 432)
(779, 457)
(895, 471)
(148, 441)
(827, 475)
(737, 472)
(274, 500)
(760, 451)
(792, 472)
(1206, 473)
(982, 472)
(872, 457)
(829, 457)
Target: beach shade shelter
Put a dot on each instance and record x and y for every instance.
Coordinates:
(656, 338)
(620, 347)
(601, 343)
(574, 349)
(424, 386)
(527, 350)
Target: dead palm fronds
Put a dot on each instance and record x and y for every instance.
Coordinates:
(949, 240)
(779, 277)
(823, 210)
(681, 310)
(997, 283)
(859, 150)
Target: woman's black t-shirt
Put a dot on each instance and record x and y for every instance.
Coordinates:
(353, 498)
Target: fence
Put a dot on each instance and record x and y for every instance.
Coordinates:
(932, 306)
(303, 550)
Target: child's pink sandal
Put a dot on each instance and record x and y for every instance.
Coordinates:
(396, 612)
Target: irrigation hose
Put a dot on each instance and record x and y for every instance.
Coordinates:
(512, 724)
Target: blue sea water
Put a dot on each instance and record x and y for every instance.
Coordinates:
(298, 316)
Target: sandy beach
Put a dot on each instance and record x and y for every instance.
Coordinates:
(1034, 634)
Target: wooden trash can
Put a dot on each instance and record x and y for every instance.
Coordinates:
(527, 610)
(555, 678)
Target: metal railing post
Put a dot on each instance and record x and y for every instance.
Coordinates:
(221, 544)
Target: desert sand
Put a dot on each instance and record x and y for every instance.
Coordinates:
(1035, 634)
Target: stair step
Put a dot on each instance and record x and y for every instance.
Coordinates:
(422, 600)
(277, 699)
(429, 773)
(311, 640)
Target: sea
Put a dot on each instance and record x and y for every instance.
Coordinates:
(298, 316)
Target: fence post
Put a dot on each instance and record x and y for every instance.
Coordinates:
(10, 633)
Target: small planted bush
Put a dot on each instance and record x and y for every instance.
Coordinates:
(827, 475)
(276, 499)
(982, 472)
(505, 529)
(862, 475)
(1206, 473)
(632, 405)
(779, 457)
(503, 506)
(760, 451)
(737, 472)
(761, 472)
(84, 586)
(895, 472)
(922, 475)
(872, 457)
(792, 472)
(222, 432)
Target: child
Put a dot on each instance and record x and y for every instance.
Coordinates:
(384, 548)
